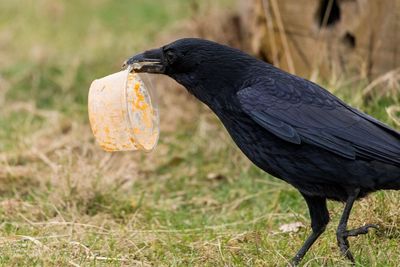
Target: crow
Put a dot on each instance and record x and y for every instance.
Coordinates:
(289, 127)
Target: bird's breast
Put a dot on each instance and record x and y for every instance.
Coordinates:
(258, 145)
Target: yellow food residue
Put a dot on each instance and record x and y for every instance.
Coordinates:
(136, 130)
(140, 104)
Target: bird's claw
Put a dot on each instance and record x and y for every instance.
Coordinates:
(344, 243)
(361, 230)
(294, 262)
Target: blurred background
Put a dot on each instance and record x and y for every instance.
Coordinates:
(195, 200)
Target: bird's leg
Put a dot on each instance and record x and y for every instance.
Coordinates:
(306, 246)
(319, 219)
(361, 230)
(342, 233)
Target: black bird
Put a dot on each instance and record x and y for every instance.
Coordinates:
(288, 126)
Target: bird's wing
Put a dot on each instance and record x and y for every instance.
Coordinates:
(300, 111)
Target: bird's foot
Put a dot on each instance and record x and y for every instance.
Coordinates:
(344, 245)
(342, 236)
(294, 262)
(362, 230)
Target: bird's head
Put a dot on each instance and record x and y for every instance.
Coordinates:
(204, 67)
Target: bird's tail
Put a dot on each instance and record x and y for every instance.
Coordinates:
(389, 177)
(396, 185)
(392, 185)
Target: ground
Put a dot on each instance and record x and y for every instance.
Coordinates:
(194, 201)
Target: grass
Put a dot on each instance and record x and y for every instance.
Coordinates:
(194, 201)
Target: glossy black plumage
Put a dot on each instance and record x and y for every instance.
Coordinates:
(288, 126)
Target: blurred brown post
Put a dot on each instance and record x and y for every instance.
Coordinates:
(324, 37)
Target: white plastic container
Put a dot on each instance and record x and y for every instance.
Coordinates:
(121, 113)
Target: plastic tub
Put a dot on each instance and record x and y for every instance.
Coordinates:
(121, 113)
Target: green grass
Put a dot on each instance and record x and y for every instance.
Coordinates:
(194, 201)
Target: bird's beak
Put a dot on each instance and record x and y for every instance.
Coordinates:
(150, 61)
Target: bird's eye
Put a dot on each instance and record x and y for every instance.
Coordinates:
(170, 56)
